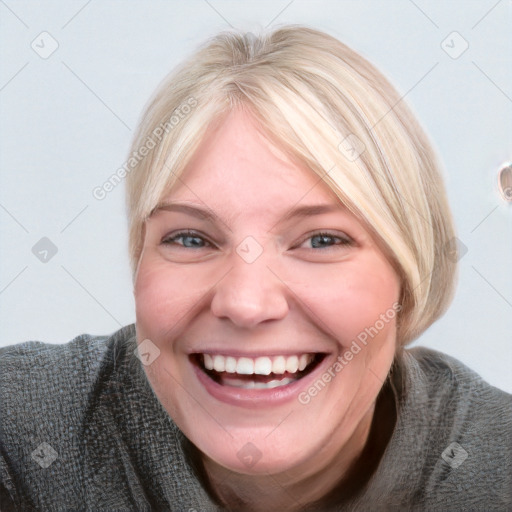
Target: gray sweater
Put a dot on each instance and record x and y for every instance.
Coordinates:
(81, 429)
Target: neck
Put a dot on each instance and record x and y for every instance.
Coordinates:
(291, 490)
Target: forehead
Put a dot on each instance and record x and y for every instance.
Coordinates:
(236, 166)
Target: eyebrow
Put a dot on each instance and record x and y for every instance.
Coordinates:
(310, 210)
(196, 211)
(205, 214)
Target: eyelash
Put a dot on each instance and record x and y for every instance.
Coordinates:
(343, 240)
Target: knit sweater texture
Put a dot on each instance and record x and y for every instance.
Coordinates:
(81, 429)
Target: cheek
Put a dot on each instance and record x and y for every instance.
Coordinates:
(351, 298)
(168, 294)
(162, 296)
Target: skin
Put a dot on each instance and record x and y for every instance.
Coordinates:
(197, 294)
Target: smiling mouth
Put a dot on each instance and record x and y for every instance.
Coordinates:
(257, 373)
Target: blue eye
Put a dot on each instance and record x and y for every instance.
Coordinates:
(186, 239)
(327, 240)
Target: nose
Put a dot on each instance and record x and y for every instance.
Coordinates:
(250, 294)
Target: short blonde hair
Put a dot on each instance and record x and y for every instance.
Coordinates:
(325, 105)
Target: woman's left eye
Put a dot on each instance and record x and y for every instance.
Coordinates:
(325, 241)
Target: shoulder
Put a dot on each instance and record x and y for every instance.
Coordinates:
(43, 379)
(27, 364)
(468, 449)
(33, 373)
(445, 378)
(45, 391)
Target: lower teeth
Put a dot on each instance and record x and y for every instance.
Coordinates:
(250, 384)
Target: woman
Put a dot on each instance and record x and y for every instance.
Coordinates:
(289, 235)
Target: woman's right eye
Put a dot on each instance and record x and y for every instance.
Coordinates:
(186, 239)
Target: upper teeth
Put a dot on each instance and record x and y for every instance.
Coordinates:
(260, 365)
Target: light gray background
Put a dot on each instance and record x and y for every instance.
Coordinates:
(67, 121)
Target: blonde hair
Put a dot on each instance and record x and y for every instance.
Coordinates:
(324, 104)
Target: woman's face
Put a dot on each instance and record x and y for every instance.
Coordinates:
(251, 266)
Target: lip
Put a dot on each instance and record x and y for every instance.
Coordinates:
(260, 398)
(253, 355)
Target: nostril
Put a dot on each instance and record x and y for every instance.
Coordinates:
(249, 293)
